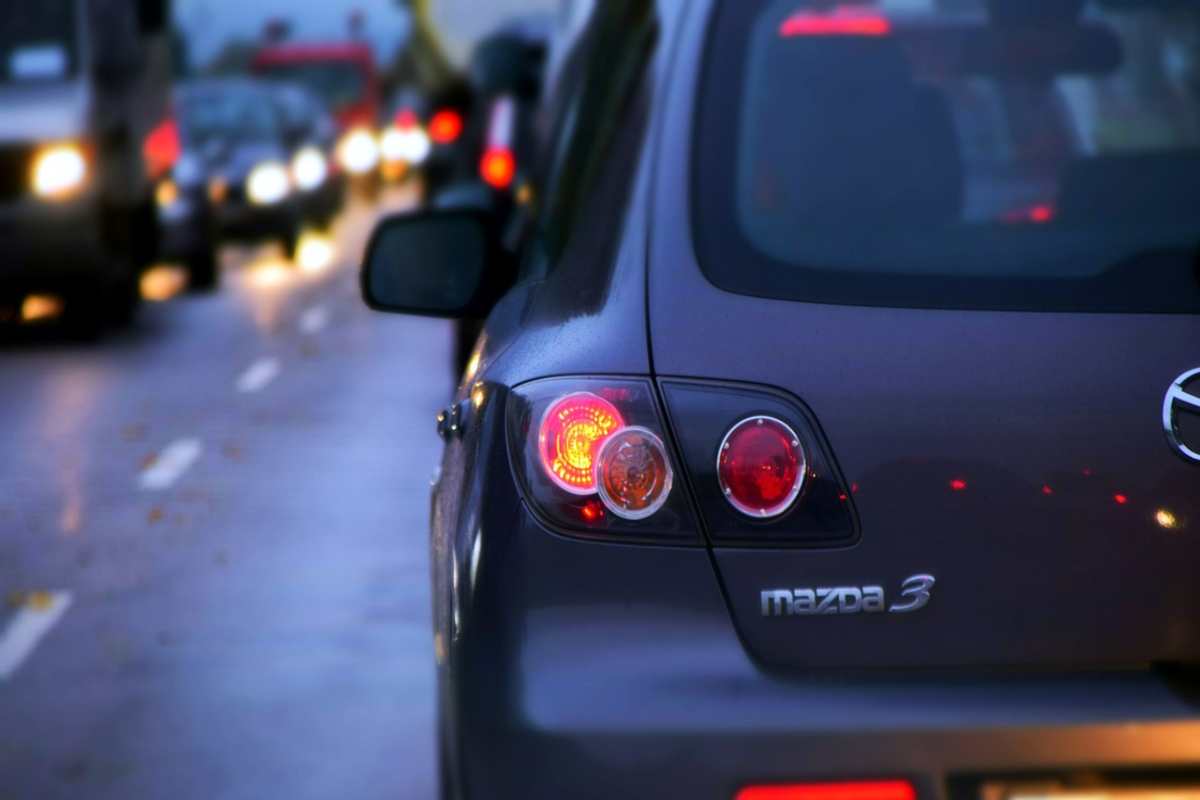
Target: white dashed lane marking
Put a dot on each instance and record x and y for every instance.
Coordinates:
(167, 467)
(258, 375)
(35, 619)
(314, 320)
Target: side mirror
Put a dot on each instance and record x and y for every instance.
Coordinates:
(437, 264)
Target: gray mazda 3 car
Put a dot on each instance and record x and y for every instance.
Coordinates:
(834, 433)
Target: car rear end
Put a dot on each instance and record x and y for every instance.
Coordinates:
(907, 506)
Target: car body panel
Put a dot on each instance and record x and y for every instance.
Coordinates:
(572, 668)
(1017, 457)
(550, 687)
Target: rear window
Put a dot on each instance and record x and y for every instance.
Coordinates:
(1012, 154)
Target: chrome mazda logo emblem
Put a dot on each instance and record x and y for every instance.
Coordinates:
(1181, 401)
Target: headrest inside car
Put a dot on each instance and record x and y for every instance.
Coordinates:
(844, 137)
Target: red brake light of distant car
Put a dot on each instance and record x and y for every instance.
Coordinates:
(445, 126)
(1038, 215)
(570, 436)
(841, 23)
(859, 790)
(405, 118)
(162, 148)
(761, 466)
(633, 473)
(498, 168)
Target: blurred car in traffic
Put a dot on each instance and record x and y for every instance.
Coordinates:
(311, 135)
(834, 433)
(405, 145)
(480, 127)
(344, 76)
(84, 133)
(237, 167)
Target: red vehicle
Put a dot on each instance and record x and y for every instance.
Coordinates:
(343, 75)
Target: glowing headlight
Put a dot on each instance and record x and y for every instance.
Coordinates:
(59, 171)
(410, 145)
(309, 168)
(268, 184)
(358, 152)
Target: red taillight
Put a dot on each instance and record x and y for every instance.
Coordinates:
(633, 474)
(841, 23)
(498, 168)
(859, 790)
(1038, 215)
(570, 436)
(405, 118)
(445, 126)
(162, 148)
(761, 467)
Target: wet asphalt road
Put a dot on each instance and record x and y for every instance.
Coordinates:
(214, 527)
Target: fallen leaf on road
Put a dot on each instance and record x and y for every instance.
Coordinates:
(133, 433)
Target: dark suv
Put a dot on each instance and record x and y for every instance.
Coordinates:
(836, 433)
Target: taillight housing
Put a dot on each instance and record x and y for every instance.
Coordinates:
(761, 471)
(592, 458)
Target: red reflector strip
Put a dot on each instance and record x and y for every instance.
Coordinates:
(864, 790)
(807, 24)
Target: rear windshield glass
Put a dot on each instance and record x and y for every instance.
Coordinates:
(1011, 154)
(218, 113)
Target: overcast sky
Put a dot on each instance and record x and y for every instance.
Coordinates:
(208, 24)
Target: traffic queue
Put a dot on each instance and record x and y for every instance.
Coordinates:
(114, 162)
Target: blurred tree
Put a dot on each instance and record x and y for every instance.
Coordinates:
(423, 62)
(233, 58)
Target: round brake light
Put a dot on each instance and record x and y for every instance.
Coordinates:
(569, 438)
(633, 474)
(446, 126)
(761, 467)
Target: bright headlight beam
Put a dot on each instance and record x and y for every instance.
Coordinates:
(59, 171)
(358, 152)
(268, 183)
(309, 168)
(410, 145)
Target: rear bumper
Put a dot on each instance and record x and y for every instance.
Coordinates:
(241, 220)
(322, 204)
(707, 736)
(187, 228)
(589, 670)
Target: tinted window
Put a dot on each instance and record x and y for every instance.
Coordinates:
(1018, 154)
(37, 41)
(220, 113)
(593, 103)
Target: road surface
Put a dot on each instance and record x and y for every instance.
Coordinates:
(213, 535)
